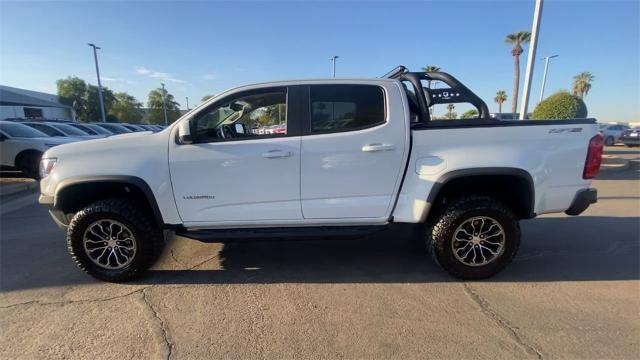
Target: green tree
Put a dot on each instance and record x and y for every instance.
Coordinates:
(501, 97)
(469, 114)
(126, 108)
(156, 112)
(72, 91)
(517, 39)
(93, 102)
(560, 105)
(582, 84)
(430, 68)
(206, 97)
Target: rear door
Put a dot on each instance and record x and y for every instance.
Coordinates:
(353, 150)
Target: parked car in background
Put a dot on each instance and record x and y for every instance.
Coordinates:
(91, 129)
(612, 132)
(61, 129)
(113, 127)
(631, 137)
(21, 146)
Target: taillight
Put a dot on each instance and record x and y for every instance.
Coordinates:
(594, 157)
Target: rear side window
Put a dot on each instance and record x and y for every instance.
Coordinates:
(336, 108)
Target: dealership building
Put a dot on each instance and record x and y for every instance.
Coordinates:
(27, 104)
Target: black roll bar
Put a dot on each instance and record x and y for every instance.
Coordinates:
(455, 93)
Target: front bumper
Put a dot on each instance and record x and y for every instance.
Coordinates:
(59, 217)
(582, 200)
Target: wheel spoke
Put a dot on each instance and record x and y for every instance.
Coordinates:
(483, 245)
(104, 246)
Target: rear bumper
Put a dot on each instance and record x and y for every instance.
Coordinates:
(582, 200)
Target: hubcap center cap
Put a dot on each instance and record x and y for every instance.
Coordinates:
(112, 243)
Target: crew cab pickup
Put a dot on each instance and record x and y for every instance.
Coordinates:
(318, 159)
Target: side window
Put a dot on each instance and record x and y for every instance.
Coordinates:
(337, 108)
(252, 115)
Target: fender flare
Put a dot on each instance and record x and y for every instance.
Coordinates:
(123, 179)
(485, 171)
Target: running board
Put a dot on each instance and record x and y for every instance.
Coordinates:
(281, 233)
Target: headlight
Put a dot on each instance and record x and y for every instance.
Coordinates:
(46, 166)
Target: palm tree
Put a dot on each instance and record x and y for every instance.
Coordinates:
(450, 108)
(517, 39)
(430, 68)
(501, 96)
(582, 83)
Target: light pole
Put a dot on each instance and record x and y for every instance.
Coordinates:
(164, 106)
(95, 57)
(544, 76)
(537, 15)
(187, 103)
(333, 62)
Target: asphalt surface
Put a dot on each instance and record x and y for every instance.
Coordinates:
(572, 292)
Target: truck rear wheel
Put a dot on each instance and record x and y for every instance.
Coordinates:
(474, 237)
(113, 240)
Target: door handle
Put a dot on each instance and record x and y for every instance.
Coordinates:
(377, 147)
(274, 154)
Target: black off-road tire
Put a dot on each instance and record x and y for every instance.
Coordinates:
(441, 229)
(29, 164)
(149, 238)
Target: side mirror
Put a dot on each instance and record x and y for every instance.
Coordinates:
(184, 133)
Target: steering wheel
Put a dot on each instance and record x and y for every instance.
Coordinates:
(225, 131)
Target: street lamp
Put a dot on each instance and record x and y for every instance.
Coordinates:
(333, 62)
(535, 27)
(164, 106)
(544, 77)
(95, 57)
(187, 103)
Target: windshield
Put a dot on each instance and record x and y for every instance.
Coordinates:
(46, 129)
(84, 128)
(98, 129)
(69, 130)
(20, 130)
(116, 129)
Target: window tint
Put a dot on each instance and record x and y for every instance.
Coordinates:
(345, 107)
(244, 117)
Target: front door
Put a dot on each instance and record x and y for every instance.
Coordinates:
(244, 164)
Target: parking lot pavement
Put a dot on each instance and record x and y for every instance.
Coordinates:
(572, 292)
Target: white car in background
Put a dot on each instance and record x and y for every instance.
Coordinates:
(612, 133)
(21, 147)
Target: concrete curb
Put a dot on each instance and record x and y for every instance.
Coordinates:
(11, 189)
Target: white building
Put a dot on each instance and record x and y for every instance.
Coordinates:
(21, 103)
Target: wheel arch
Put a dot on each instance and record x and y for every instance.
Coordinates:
(24, 153)
(512, 186)
(73, 194)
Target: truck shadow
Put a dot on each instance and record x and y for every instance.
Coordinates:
(586, 248)
(589, 248)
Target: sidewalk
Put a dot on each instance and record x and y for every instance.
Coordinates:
(10, 186)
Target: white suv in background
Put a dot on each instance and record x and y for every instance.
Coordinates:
(21, 147)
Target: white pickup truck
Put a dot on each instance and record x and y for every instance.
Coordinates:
(351, 157)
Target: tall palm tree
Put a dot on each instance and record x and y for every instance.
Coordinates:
(430, 68)
(517, 39)
(582, 84)
(501, 96)
(450, 108)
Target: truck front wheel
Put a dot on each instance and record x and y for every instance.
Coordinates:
(113, 240)
(474, 237)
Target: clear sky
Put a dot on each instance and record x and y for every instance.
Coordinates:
(200, 48)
